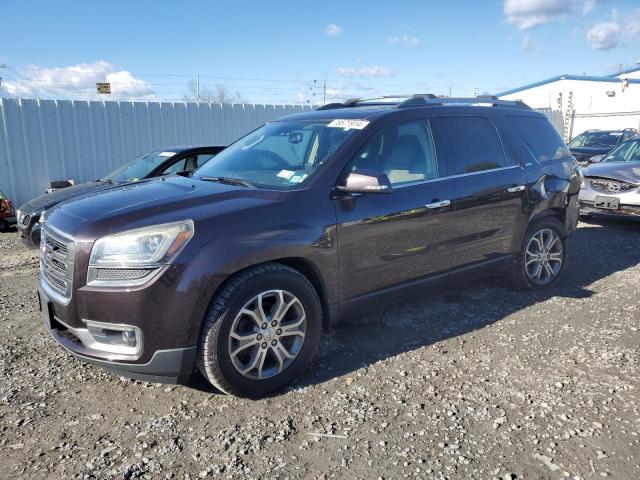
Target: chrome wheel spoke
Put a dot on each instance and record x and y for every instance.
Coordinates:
(555, 257)
(538, 272)
(281, 349)
(250, 313)
(244, 342)
(257, 362)
(283, 308)
(553, 239)
(263, 316)
(539, 241)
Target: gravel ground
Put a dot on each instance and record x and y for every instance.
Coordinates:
(476, 382)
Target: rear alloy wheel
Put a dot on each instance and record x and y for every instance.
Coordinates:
(544, 256)
(542, 261)
(260, 331)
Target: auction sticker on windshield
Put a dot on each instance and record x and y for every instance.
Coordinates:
(348, 124)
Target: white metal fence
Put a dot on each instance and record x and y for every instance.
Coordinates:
(44, 140)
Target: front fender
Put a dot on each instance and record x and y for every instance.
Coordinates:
(215, 261)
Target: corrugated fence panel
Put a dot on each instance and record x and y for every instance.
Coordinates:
(45, 140)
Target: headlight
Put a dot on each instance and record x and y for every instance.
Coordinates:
(132, 258)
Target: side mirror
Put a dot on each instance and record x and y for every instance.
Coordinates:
(596, 159)
(366, 181)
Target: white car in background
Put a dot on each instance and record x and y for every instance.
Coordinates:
(612, 184)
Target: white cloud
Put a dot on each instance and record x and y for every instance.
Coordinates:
(77, 82)
(526, 14)
(587, 6)
(632, 27)
(333, 30)
(406, 41)
(365, 72)
(604, 36)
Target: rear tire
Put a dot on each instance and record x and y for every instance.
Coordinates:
(260, 331)
(542, 260)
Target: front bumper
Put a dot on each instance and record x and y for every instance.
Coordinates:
(625, 211)
(629, 202)
(173, 365)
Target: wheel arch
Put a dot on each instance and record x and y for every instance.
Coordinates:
(302, 265)
(555, 212)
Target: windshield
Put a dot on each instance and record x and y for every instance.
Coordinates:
(627, 152)
(139, 167)
(596, 139)
(280, 155)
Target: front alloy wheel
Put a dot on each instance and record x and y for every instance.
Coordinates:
(267, 334)
(260, 331)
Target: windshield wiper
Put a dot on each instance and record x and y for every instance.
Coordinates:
(229, 181)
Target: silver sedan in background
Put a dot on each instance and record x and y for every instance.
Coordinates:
(612, 183)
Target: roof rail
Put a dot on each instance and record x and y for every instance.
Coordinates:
(426, 99)
(482, 99)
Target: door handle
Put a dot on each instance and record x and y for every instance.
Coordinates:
(518, 188)
(440, 204)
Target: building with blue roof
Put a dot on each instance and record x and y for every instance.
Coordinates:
(584, 102)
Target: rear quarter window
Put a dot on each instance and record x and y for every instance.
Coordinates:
(539, 136)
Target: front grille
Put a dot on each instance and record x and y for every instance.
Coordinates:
(611, 186)
(57, 255)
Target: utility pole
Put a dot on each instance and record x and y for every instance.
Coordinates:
(449, 91)
(198, 89)
(324, 92)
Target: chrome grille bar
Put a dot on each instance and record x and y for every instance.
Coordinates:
(57, 257)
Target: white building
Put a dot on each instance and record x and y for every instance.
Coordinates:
(586, 102)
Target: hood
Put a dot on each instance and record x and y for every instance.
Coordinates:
(586, 152)
(48, 200)
(149, 202)
(623, 171)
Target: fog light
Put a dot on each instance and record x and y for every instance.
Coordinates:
(129, 337)
(113, 338)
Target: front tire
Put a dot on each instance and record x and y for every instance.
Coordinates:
(260, 331)
(542, 260)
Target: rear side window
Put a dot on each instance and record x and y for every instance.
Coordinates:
(471, 144)
(542, 140)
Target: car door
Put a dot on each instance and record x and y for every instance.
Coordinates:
(488, 185)
(387, 239)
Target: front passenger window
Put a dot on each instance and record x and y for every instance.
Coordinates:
(404, 151)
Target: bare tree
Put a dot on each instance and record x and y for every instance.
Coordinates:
(220, 94)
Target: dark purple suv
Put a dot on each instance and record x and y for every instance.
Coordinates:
(305, 221)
